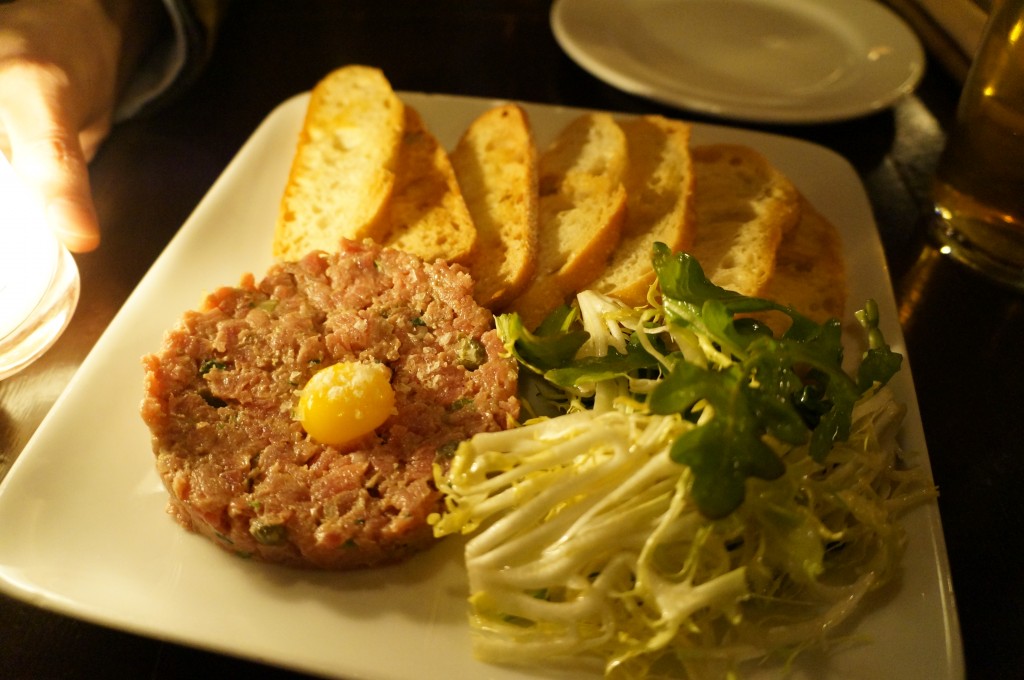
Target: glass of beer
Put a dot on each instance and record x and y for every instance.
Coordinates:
(979, 182)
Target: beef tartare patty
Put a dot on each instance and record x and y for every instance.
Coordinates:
(221, 397)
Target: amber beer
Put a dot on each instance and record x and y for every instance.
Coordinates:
(979, 184)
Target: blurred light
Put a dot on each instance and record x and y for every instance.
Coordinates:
(38, 278)
(1016, 31)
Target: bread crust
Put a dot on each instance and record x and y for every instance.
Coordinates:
(582, 204)
(659, 205)
(743, 206)
(495, 162)
(534, 229)
(427, 214)
(343, 172)
(809, 273)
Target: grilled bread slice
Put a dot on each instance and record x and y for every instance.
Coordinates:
(343, 171)
(659, 191)
(495, 162)
(809, 273)
(582, 203)
(743, 206)
(427, 214)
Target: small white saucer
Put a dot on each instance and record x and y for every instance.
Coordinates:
(773, 61)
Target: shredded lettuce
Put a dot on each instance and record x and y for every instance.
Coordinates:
(695, 493)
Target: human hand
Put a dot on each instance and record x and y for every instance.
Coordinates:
(59, 62)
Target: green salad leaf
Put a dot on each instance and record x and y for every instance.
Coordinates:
(551, 345)
(595, 368)
(749, 388)
(693, 492)
(728, 448)
(793, 388)
(879, 363)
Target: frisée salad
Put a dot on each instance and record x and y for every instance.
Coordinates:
(693, 491)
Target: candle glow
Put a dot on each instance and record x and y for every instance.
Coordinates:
(38, 277)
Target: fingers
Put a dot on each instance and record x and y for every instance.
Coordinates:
(46, 152)
(59, 66)
(51, 160)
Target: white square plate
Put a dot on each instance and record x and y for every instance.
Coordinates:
(84, 530)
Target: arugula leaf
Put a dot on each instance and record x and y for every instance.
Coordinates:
(777, 393)
(553, 345)
(792, 388)
(879, 363)
(612, 365)
(726, 449)
(682, 279)
(560, 320)
(691, 299)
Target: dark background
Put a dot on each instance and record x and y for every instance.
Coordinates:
(964, 335)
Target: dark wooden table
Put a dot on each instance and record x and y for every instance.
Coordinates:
(965, 336)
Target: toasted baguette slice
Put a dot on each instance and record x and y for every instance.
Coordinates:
(495, 162)
(343, 171)
(581, 208)
(427, 214)
(809, 273)
(659, 191)
(743, 206)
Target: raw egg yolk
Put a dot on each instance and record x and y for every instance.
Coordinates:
(345, 401)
